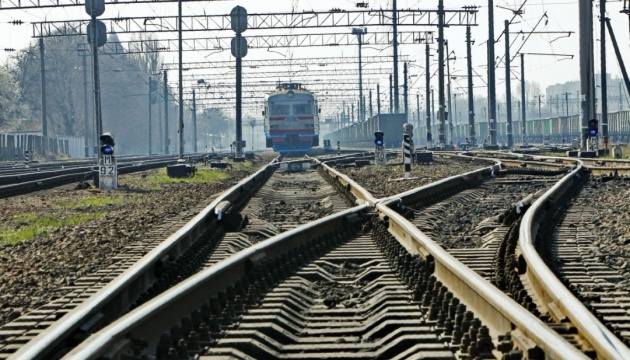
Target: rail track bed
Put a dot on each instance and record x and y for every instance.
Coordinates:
(473, 223)
(284, 201)
(361, 300)
(384, 181)
(589, 251)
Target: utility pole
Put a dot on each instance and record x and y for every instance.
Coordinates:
(181, 81)
(442, 100)
(161, 132)
(86, 132)
(395, 22)
(566, 103)
(378, 99)
(166, 137)
(492, 93)
(539, 112)
(471, 106)
(433, 106)
(371, 114)
(194, 121)
(150, 115)
(523, 101)
(359, 33)
(405, 94)
(448, 86)
(42, 64)
(418, 114)
(508, 85)
(391, 99)
(428, 92)
(586, 66)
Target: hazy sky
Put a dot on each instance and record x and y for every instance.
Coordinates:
(562, 15)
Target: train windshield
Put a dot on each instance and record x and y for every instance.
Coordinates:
(302, 109)
(280, 109)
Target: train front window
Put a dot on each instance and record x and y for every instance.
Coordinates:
(302, 109)
(280, 109)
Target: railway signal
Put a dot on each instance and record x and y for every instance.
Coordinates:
(592, 127)
(379, 153)
(107, 169)
(378, 138)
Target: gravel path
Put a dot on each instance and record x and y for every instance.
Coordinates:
(33, 270)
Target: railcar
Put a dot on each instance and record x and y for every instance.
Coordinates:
(291, 119)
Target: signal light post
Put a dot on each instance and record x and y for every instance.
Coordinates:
(591, 134)
(107, 168)
(379, 153)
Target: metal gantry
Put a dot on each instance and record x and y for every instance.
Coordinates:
(268, 21)
(258, 42)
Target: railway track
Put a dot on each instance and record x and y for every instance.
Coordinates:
(315, 290)
(349, 285)
(261, 206)
(571, 243)
(31, 181)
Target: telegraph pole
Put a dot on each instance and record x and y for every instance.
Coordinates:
(492, 93)
(471, 109)
(508, 85)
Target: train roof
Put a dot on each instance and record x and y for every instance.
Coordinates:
(284, 88)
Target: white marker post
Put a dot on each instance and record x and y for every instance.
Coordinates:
(108, 173)
(407, 155)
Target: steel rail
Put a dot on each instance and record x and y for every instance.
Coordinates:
(117, 294)
(560, 302)
(149, 321)
(358, 191)
(495, 309)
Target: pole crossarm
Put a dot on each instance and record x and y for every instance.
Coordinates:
(256, 42)
(358, 18)
(283, 62)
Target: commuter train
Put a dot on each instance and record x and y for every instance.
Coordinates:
(291, 119)
(555, 130)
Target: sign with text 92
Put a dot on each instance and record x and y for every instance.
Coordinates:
(108, 173)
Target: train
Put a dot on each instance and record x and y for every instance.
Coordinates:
(553, 130)
(291, 119)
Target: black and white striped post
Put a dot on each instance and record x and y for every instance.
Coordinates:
(338, 148)
(27, 157)
(407, 154)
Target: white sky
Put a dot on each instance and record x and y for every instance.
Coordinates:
(546, 70)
